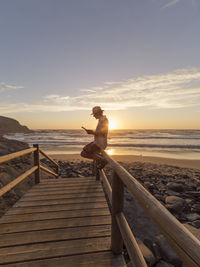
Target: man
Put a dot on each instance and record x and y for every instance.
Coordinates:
(93, 149)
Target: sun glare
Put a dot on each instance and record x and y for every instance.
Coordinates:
(112, 125)
(110, 151)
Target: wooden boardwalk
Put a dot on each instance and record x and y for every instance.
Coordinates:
(59, 222)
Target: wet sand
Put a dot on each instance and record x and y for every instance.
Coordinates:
(195, 164)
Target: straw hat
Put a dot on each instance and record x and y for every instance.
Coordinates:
(96, 109)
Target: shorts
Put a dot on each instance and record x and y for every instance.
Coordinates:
(91, 148)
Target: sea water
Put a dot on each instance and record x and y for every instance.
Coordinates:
(183, 144)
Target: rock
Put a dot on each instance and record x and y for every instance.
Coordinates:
(147, 254)
(175, 187)
(175, 204)
(163, 264)
(8, 125)
(167, 252)
(195, 194)
(192, 216)
(196, 224)
(195, 207)
(11, 146)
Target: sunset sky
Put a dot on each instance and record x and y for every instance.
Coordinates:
(138, 59)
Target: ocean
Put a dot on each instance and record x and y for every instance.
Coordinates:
(182, 144)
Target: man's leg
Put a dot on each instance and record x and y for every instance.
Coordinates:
(92, 151)
(87, 151)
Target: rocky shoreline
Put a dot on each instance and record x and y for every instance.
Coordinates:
(178, 189)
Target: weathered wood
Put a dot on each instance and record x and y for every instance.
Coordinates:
(63, 196)
(16, 154)
(66, 180)
(53, 224)
(93, 186)
(15, 182)
(48, 171)
(62, 191)
(48, 157)
(37, 163)
(181, 237)
(48, 228)
(54, 235)
(49, 208)
(106, 184)
(103, 259)
(54, 215)
(58, 201)
(134, 252)
(117, 206)
(54, 249)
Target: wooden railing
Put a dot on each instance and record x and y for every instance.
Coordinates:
(186, 245)
(35, 169)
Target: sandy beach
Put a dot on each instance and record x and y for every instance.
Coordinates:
(183, 163)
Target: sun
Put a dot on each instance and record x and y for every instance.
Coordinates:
(112, 125)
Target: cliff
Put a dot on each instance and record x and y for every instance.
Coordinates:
(8, 125)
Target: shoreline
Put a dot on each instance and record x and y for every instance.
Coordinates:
(183, 163)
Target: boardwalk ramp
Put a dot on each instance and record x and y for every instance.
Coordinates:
(59, 222)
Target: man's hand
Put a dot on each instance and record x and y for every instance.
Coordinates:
(88, 131)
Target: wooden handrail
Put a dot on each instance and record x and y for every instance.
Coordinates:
(181, 239)
(16, 154)
(15, 182)
(48, 157)
(48, 171)
(131, 244)
(106, 184)
(35, 169)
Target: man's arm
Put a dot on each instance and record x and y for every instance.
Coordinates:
(88, 131)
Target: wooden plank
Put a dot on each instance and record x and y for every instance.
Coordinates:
(16, 154)
(86, 183)
(48, 208)
(62, 196)
(58, 201)
(100, 259)
(19, 179)
(65, 190)
(172, 229)
(55, 186)
(54, 215)
(61, 192)
(53, 224)
(66, 180)
(49, 158)
(14, 239)
(134, 251)
(54, 249)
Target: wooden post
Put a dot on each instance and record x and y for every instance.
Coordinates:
(95, 170)
(37, 163)
(57, 170)
(117, 207)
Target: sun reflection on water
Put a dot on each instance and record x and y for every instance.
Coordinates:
(110, 151)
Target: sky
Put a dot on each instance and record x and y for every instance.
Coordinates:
(137, 59)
